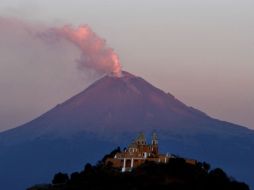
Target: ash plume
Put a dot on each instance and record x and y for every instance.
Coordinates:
(94, 55)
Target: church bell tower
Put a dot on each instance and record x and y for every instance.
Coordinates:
(155, 147)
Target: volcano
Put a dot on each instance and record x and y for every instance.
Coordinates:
(109, 113)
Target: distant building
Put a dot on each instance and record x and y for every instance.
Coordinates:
(137, 153)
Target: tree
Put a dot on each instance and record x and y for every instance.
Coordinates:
(111, 155)
(60, 178)
(206, 166)
(75, 176)
(218, 175)
(88, 168)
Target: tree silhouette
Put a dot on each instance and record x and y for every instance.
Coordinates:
(206, 166)
(60, 178)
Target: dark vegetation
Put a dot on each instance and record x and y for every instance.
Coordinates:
(174, 175)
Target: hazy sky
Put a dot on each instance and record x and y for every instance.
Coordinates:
(201, 51)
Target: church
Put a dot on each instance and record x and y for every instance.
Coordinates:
(137, 153)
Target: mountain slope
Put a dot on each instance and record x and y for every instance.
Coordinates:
(110, 112)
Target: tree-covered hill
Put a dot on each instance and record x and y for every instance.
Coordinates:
(174, 175)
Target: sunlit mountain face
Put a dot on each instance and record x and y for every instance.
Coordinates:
(110, 113)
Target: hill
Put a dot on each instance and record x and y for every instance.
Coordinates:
(176, 174)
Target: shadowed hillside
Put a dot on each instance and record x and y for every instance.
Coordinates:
(176, 174)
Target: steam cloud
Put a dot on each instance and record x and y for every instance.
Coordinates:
(95, 54)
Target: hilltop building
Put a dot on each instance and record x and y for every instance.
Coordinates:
(137, 153)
